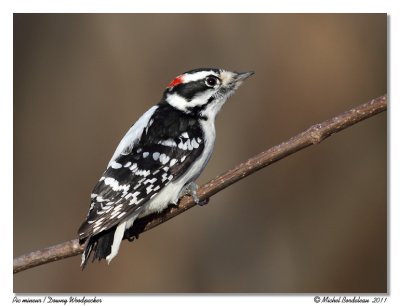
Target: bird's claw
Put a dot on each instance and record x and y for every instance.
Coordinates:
(191, 189)
(133, 237)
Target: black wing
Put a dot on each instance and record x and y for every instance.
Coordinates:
(137, 176)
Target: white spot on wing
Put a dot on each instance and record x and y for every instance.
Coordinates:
(121, 215)
(182, 145)
(150, 181)
(104, 211)
(99, 221)
(114, 214)
(109, 181)
(134, 198)
(115, 165)
(164, 158)
(194, 143)
(133, 168)
(156, 155)
(149, 189)
(168, 143)
(138, 201)
(127, 164)
(143, 172)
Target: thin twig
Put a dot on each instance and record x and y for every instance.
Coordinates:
(313, 135)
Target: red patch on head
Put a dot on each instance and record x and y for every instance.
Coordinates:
(178, 80)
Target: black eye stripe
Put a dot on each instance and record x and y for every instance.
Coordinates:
(191, 89)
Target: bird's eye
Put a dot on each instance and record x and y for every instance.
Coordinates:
(211, 81)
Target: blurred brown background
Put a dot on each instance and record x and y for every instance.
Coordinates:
(313, 222)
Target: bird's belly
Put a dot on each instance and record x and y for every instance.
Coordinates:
(169, 195)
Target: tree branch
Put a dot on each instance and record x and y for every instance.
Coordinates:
(314, 135)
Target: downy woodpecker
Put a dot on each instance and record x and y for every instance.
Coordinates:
(158, 159)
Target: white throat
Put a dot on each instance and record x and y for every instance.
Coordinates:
(212, 110)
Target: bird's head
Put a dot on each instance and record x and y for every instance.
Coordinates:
(202, 92)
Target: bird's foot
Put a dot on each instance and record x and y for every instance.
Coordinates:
(133, 237)
(191, 189)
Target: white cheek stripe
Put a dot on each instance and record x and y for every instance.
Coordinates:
(181, 103)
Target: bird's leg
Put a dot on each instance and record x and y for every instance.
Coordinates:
(131, 238)
(191, 189)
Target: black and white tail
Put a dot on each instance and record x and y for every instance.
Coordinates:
(100, 245)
